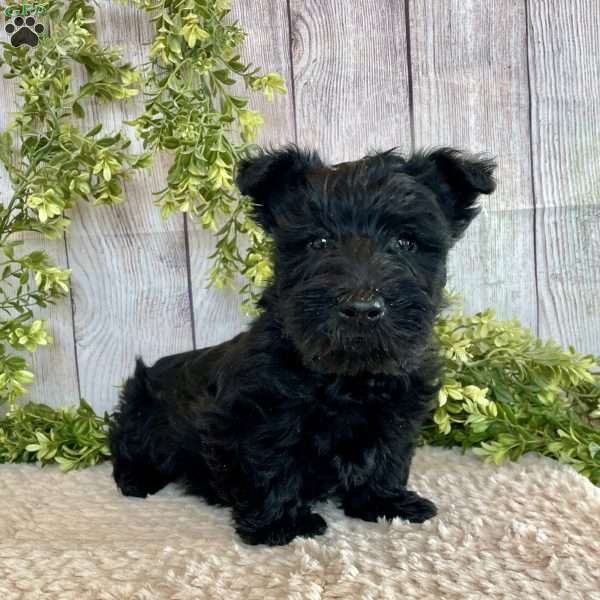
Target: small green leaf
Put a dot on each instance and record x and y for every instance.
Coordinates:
(78, 110)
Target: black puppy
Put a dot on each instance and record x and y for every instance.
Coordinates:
(324, 395)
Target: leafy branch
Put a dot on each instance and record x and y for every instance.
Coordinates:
(507, 393)
(51, 165)
(71, 437)
(191, 112)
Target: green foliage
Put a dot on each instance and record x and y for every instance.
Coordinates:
(72, 437)
(192, 112)
(51, 165)
(506, 393)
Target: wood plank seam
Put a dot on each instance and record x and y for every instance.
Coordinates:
(72, 304)
(411, 103)
(292, 75)
(531, 166)
(186, 233)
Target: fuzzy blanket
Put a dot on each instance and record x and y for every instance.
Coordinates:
(527, 530)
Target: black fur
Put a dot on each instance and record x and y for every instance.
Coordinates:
(324, 395)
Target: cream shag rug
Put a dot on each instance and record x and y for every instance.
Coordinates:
(526, 530)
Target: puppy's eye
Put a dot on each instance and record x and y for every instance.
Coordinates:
(320, 244)
(406, 244)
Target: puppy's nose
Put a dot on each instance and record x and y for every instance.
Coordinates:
(370, 310)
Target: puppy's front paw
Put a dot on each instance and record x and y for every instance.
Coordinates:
(137, 479)
(406, 505)
(311, 524)
(285, 530)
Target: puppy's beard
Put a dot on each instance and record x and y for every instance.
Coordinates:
(343, 365)
(352, 359)
(353, 354)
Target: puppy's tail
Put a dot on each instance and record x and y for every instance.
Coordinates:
(137, 388)
(135, 404)
(141, 464)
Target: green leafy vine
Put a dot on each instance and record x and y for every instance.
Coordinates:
(51, 165)
(191, 112)
(507, 393)
(73, 438)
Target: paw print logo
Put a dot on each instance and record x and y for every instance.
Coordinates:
(24, 31)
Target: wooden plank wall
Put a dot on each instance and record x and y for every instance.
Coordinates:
(517, 78)
(564, 66)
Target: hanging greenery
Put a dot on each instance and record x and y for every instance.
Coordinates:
(51, 165)
(192, 112)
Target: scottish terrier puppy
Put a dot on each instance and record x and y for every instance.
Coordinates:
(324, 395)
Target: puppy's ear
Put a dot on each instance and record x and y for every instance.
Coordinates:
(457, 179)
(269, 178)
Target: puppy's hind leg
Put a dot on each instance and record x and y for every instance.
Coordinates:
(142, 463)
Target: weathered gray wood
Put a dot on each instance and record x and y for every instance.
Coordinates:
(564, 62)
(216, 312)
(470, 90)
(54, 365)
(130, 284)
(351, 76)
(479, 80)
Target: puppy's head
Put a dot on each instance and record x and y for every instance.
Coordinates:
(361, 248)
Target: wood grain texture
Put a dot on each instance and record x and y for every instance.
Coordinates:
(564, 62)
(130, 285)
(217, 313)
(351, 76)
(54, 365)
(470, 90)
(516, 78)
